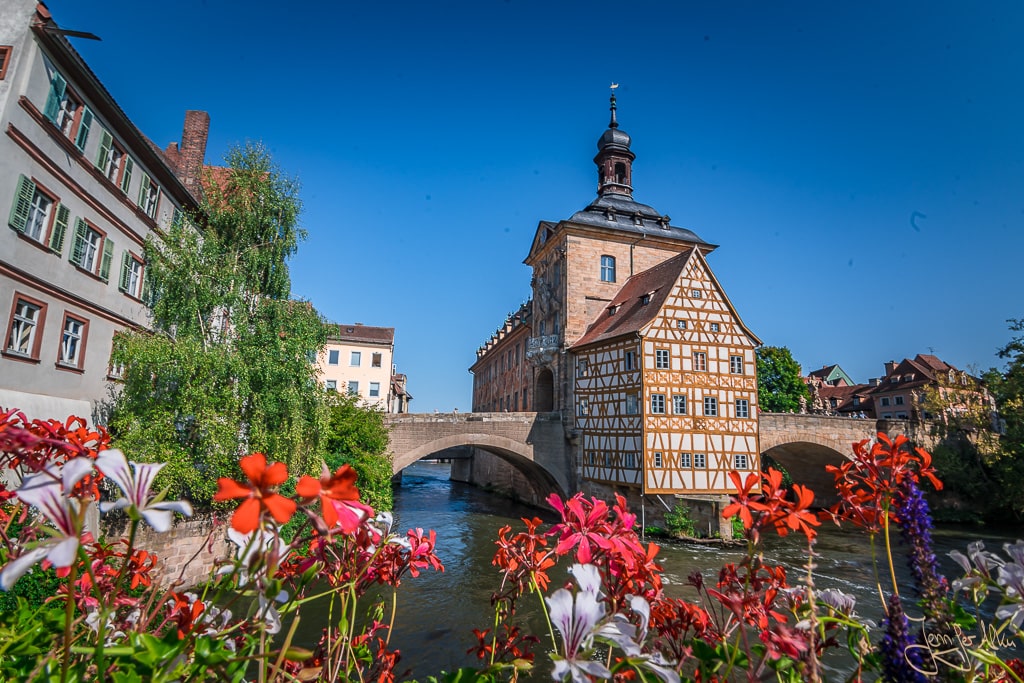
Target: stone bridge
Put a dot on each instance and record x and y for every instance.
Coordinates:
(805, 444)
(533, 443)
(536, 446)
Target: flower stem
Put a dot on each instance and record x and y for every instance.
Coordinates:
(69, 615)
(544, 608)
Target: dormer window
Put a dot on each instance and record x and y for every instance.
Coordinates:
(645, 299)
(612, 310)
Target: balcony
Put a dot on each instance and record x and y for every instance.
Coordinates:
(542, 350)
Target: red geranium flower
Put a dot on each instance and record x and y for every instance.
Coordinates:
(260, 493)
(339, 497)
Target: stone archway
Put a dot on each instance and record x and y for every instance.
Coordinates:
(516, 455)
(544, 391)
(806, 461)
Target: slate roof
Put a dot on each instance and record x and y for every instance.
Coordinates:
(620, 212)
(359, 333)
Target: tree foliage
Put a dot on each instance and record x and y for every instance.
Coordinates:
(779, 382)
(356, 435)
(226, 367)
(1007, 387)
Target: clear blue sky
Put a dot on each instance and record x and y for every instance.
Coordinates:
(860, 164)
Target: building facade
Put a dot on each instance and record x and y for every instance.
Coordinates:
(634, 341)
(359, 360)
(502, 376)
(82, 189)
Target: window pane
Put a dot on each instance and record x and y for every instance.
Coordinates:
(356, 358)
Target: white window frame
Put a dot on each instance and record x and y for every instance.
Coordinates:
(333, 357)
(679, 404)
(742, 408)
(353, 387)
(700, 361)
(685, 460)
(607, 268)
(659, 461)
(662, 359)
(355, 358)
(736, 365)
(710, 406)
(700, 461)
(374, 389)
(26, 323)
(657, 404)
(72, 341)
(740, 461)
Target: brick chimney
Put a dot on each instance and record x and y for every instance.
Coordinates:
(192, 153)
(889, 367)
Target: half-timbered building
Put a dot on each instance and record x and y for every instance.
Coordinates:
(665, 388)
(634, 341)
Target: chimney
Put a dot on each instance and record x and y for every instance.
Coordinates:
(889, 367)
(193, 151)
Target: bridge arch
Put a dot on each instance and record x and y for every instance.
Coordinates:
(525, 453)
(806, 444)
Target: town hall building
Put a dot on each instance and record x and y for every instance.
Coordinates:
(631, 337)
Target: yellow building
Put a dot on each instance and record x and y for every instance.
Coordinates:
(359, 360)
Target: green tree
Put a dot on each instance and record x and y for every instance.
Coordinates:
(226, 367)
(1007, 465)
(779, 382)
(357, 435)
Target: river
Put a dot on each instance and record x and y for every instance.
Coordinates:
(437, 612)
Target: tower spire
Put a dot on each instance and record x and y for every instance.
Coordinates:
(613, 123)
(614, 159)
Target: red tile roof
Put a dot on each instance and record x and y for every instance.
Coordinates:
(366, 334)
(626, 314)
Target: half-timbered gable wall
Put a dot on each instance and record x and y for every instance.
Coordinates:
(699, 390)
(607, 412)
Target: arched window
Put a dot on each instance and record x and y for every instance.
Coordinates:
(620, 173)
(607, 268)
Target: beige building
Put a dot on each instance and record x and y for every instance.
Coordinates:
(359, 360)
(82, 189)
(633, 340)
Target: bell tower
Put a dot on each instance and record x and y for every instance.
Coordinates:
(614, 159)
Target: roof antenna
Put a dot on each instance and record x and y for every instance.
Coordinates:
(613, 123)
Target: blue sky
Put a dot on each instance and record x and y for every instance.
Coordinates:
(860, 164)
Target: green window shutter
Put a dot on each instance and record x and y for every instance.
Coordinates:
(147, 288)
(143, 189)
(22, 204)
(83, 128)
(78, 244)
(106, 142)
(57, 87)
(126, 263)
(126, 179)
(60, 226)
(108, 256)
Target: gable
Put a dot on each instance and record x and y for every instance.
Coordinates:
(697, 298)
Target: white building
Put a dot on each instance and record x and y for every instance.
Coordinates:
(82, 189)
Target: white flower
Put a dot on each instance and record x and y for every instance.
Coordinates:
(576, 619)
(44, 492)
(256, 551)
(136, 480)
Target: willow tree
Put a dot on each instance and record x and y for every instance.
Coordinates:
(225, 368)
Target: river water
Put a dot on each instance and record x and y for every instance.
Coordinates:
(437, 612)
